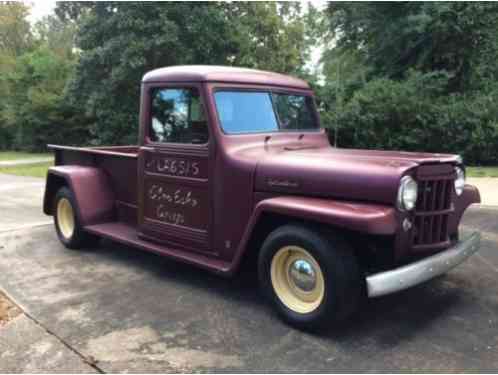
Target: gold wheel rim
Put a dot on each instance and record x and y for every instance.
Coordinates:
(65, 217)
(291, 293)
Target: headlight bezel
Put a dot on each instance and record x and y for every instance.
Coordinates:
(407, 193)
(459, 183)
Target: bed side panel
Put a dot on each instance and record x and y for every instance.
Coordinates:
(119, 163)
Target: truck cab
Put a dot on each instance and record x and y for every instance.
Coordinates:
(232, 163)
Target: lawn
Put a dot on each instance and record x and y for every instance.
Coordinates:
(33, 170)
(482, 171)
(16, 155)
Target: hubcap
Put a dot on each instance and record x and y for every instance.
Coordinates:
(65, 217)
(303, 275)
(297, 279)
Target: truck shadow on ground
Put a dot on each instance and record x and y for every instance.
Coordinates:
(390, 319)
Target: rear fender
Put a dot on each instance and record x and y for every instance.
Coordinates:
(91, 188)
(364, 218)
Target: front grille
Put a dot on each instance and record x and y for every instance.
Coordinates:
(434, 205)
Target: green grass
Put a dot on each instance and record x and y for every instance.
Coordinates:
(16, 155)
(32, 170)
(481, 171)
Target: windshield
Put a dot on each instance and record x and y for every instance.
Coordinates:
(258, 112)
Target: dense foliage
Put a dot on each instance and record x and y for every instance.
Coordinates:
(122, 41)
(413, 76)
(35, 64)
(412, 115)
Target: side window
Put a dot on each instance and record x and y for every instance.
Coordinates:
(178, 116)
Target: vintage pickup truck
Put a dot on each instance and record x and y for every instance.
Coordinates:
(232, 163)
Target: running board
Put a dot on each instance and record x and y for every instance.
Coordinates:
(128, 235)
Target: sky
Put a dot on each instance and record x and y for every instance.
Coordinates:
(40, 9)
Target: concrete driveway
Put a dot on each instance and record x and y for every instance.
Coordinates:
(20, 203)
(115, 309)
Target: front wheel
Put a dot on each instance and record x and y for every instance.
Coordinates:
(67, 225)
(310, 278)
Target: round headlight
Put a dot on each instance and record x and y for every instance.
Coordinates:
(460, 180)
(407, 193)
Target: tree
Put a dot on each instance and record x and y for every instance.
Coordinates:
(57, 35)
(34, 112)
(394, 37)
(15, 33)
(15, 39)
(269, 36)
(409, 75)
(119, 42)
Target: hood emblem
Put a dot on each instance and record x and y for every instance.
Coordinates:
(274, 182)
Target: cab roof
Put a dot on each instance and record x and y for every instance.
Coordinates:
(212, 73)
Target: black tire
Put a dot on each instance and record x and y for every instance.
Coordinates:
(343, 283)
(78, 238)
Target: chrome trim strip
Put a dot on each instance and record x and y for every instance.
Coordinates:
(415, 273)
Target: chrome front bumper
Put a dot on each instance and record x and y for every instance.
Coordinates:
(392, 281)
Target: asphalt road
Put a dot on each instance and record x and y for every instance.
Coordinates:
(116, 309)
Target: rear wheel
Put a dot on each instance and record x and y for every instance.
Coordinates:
(311, 278)
(67, 225)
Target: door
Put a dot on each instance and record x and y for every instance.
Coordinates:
(175, 207)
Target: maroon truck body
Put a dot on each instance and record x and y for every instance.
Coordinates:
(210, 204)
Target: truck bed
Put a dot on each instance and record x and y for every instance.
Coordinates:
(125, 151)
(120, 164)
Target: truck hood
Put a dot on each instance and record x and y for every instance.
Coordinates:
(364, 175)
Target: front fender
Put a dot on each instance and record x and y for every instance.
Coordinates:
(91, 188)
(365, 218)
(362, 217)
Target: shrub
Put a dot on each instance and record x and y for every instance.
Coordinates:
(413, 115)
